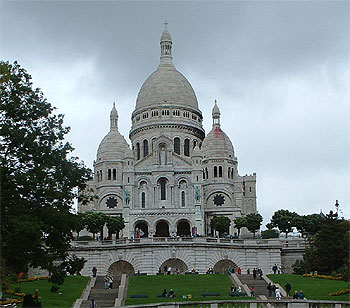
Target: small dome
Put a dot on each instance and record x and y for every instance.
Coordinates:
(216, 110)
(128, 154)
(217, 144)
(165, 36)
(112, 147)
(196, 152)
(114, 112)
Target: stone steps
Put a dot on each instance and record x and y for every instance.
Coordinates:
(103, 297)
(260, 286)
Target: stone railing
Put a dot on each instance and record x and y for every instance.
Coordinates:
(249, 304)
(186, 240)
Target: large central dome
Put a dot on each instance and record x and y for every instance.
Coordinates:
(166, 86)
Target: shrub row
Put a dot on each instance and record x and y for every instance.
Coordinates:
(324, 277)
(340, 292)
(33, 279)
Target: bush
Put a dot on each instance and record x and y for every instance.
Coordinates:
(85, 238)
(271, 233)
(299, 267)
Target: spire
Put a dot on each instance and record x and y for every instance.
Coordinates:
(216, 115)
(114, 117)
(165, 46)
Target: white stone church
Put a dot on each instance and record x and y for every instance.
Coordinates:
(175, 178)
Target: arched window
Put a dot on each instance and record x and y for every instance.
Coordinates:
(177, 145)
(162, 183)
(143, 200)
(206, 173)
(215, 172)
(137, 151)
(203, 175)
(187, 147)
(183, 199)
(145, 148)
(114, 174)
(232, 173)
(228, 172)
(220, 171)
(109, 174)
(101, 174)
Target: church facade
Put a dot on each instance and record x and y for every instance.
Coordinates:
(174, 178)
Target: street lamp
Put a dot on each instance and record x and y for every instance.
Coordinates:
(336, 206)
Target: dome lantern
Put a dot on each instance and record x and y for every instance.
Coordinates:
(114, 117)
(216, 115)
(165, 46)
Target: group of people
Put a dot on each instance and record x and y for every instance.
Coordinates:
(171, 293)
(277, 269)
(256, 272)
(231, 270)
(236, 289)
(168, 270)
(298, 295)
(108, 282)
(274, 291)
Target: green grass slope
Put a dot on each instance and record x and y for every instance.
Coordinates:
(182, 285)
(313, 288)
(71, 290)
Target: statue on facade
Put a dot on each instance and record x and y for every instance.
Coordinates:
(126, 196)
(197, 195)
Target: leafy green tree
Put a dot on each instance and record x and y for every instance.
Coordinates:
(78, 223)
(114, 224)
(94, 222)
(39, 179)
(74, 265)
(220, 224)
(284, 220)
(331, 245)
(309, 224)
(253, 222)
(239, 222)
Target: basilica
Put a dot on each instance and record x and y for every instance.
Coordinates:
(174, 178)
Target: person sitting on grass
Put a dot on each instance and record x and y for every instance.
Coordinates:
(301, 294)
(171, 293)
(164, 294)
(296, 295)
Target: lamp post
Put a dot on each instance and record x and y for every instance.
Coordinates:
(336, 206)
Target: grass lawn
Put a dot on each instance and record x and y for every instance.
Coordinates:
(313, 288)
(182, 285)
(71, 290)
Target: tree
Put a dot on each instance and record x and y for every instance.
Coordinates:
(220, 224)
(331, 245)
(38, 181)
(253, 222)
(94, 222)
(308, 224)
(74, 265)
(284, 220)
(114, 224)
(239, 222)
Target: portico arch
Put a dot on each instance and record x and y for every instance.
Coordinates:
(162, 229)
(183, 228)
(141, 229)
(174, 263)
(121, 267)
(222, 266)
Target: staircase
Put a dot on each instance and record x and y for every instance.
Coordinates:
(103, 297)
(260, 286)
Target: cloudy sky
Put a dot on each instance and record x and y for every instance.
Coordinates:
(278, 69)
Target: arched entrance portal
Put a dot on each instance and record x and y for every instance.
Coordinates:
(183, 228)
(223, 265)
(141, 229)
(121, 267)
(162, 229)
(174, 263)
